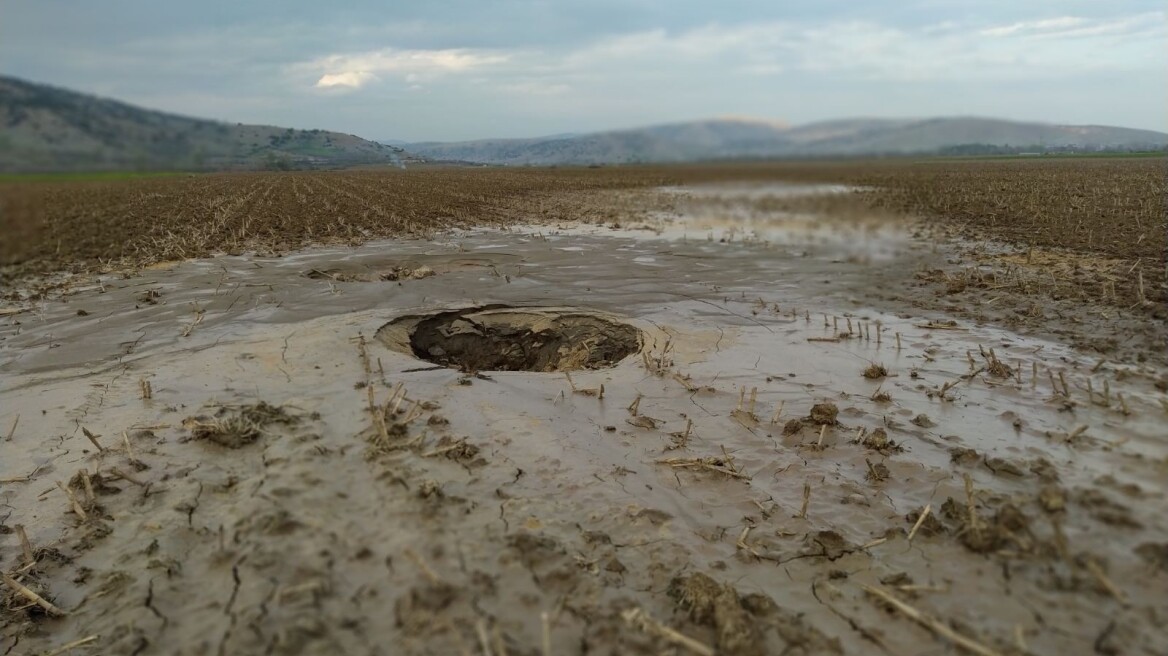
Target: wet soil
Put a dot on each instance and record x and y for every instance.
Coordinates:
(809, 452)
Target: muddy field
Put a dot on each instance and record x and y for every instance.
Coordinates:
(703, 413)
(1107, 206)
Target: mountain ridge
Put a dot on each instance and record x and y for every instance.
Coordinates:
(52, 129)
(746, 138)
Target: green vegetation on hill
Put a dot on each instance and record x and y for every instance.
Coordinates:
(46, 129)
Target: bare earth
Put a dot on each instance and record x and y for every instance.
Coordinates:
(835, 435)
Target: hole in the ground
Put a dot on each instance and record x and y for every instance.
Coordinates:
(499, 338)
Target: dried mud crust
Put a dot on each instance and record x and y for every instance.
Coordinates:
(500, 338)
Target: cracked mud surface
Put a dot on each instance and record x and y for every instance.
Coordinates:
(803, 436)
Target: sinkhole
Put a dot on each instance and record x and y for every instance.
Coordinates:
(505, 338)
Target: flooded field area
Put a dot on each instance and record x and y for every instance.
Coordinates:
(729, 425)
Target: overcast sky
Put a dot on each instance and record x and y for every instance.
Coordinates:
(462, 69)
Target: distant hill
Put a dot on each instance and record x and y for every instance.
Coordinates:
(45, 129)
(739, 138)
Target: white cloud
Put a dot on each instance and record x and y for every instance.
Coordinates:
(1072, 27)
(355, 70)
(1152, 23)
(352, 79)
(1047, 25)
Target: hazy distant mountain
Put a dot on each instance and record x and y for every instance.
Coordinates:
(44, 128)
(740, 138)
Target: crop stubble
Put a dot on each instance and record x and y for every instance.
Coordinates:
(1105, 207)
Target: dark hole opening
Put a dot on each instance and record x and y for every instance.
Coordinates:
(518, 339)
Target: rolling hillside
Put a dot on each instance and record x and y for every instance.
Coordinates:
(737, 138)
(47, 129)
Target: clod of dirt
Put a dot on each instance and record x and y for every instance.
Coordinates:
(597, 537)
(1154, 554)
(828, 544)
(712, 604)
(953, 509)
(923, 421)
(699, 595)
(430, 489)
(1043, 469)
(1008, 526)
(878, 440)
(930, 526)
(877, 471)
(238, 429)
(982, 538)
(1002, 466)
(458, 450)
(824, 414)
(897, 578)
(615, 566)
(792, 427)
(963, 456)
(498, 338)
(1052, 499)
(149, 297)
(875, 371)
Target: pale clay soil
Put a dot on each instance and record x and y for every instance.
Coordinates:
(273, 470)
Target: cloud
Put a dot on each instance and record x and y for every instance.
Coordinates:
(352, 79)
(871, 50)
(1048, 25)
(1075, 27)
(355, 70)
